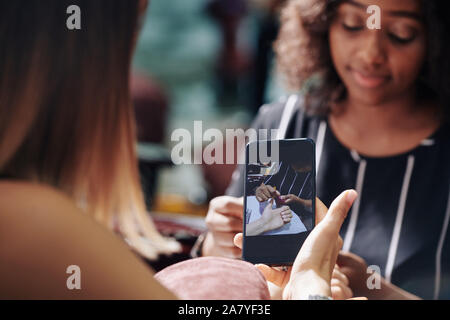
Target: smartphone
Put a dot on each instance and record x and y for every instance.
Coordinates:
(279, 202)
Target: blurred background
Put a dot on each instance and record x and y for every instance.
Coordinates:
(208, 60)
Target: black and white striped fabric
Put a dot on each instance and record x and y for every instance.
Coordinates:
(400, 220)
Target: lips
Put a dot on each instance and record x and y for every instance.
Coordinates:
(368, 80)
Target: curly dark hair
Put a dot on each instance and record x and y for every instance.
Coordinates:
(303, 53)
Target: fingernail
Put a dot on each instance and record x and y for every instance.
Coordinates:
(351, 196)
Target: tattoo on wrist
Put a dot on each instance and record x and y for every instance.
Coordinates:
(318, 297)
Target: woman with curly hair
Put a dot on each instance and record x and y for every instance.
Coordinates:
(376, 101)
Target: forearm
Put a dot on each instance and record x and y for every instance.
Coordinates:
(256, 228)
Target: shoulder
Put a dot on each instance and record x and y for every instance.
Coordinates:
(24, 198)
(291, 113)
(21, 189)
(43, 233)
(33, 215)
(269, 115)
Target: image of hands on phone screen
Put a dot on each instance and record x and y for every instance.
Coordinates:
(279, 201)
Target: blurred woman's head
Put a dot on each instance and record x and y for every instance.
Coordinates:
(330, 39)
(65, 113)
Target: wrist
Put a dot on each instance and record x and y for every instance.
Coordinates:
(306, 284)
(256, 227)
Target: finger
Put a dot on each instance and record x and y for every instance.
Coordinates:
(230, 252)
(286, 217)
(346, 291)
(265, 192)
(285, 212)
(340, 291)
(275, 276)
(238, 239)
(337, 293)
(284, 209)
(223, 223)
(338, 275)
(224, 239)
(228, 206)
(271, 190)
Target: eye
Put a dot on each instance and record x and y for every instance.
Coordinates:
(352, 28)
(401, 34)
(401, 40)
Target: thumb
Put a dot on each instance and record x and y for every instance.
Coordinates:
(272, 275)
(338, 210)
(238, 240)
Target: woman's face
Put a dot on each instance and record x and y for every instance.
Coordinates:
(377, 66)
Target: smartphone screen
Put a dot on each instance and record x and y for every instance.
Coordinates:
(279, 202)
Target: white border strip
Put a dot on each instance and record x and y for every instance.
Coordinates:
(286, 117)
(319, 143)
(355, 210)
(437, 282)
(399, 219)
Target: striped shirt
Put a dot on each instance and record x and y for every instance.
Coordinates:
(400, 220)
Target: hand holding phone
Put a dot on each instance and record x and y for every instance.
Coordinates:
(314, 264)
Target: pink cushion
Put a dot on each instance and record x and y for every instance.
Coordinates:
(213, 278)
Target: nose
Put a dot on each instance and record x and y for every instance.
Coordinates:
(373, 53)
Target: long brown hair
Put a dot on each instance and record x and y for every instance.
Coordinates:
(65, 114)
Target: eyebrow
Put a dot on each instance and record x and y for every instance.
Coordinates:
(396, 13)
